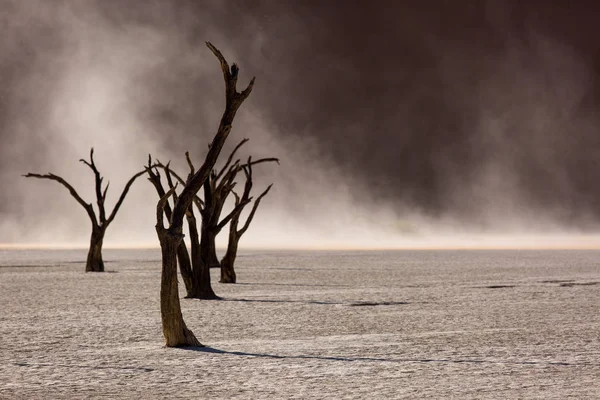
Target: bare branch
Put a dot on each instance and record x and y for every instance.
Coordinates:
(173, 173)
(199, 203)
(248, 172)
(105, 190)
(237, 197)
(154, 178)
(98, 182)
(168, 174)
(265, 160)
(246, 92)
(170, 180)
(72, 191)
(239, 206)
(230, 158)
(222, 186)
(91, 163)
(179, 179)
(190, 164)
(161, 206)
(248, 166)
(122, 197)
(224, 65)
(230, 75)
(253, 211)
(228, 177)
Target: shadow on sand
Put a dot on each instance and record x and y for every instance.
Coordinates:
(377, 359)
(81, 366)
(291, 284)
(322, 302)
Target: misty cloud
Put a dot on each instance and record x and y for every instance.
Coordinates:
(393, 121)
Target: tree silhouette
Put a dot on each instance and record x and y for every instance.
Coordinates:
(174, 328)
(227, 263)
(216, 191)
(100, 223)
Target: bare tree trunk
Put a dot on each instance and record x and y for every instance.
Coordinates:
(174, 329)
(208, 249)
(185, 267)
(201, 287)
(227, 270)
(94, 261)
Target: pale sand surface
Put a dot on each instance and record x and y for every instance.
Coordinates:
(307, 325)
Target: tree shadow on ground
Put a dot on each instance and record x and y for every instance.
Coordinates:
(322, 302)
(381, 359)
(571, 284)
(319, 302)
(290, 284)
(497, 287)
(81, 366)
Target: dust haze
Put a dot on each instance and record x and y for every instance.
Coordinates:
(397, 124)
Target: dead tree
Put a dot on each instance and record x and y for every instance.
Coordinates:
(203, 244)
(227, 263)
(201, 287)
(199, 273)
(94, 261)
(216, 190)
(174, 329)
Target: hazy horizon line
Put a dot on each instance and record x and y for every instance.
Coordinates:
(460, 242)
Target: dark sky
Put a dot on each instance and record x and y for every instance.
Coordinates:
(445, 108)
(396, 93)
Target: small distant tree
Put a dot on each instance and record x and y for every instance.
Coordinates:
(216, 192)
(101, 222)
(227, 263)
(174, 328)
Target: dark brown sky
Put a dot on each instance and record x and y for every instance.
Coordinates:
(399, 93)
(446, 107)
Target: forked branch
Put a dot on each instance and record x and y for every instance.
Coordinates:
(100, 194)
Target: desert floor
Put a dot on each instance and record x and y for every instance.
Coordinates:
(307, 325)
